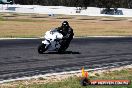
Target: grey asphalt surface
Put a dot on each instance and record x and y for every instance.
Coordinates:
(19, 58)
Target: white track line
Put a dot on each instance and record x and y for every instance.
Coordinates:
(74, 37)
(105, 37)
(63, 73)
(16, 38)
(48, 75)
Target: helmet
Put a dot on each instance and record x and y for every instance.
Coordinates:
(65, 24)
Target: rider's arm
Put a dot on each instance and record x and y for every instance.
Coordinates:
(70, 34)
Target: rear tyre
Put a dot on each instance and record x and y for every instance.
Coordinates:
(41, 49)
(62, 50)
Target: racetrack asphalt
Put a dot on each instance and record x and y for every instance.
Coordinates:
(19, 58)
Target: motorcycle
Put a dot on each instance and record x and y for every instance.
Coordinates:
(52, 42)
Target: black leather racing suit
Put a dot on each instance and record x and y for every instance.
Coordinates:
(67, 37)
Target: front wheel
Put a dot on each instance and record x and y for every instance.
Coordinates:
(41, 49)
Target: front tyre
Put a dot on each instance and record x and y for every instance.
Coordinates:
(41, 49)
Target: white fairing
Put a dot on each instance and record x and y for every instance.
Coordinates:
(50, 38)
(53, 35)
(45, 42)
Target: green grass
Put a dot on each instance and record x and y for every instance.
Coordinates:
(74, 82)
(69, 83)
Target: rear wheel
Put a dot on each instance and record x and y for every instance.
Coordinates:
(41, 49)
(62, 50)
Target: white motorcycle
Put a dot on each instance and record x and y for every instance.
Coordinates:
(52, 42)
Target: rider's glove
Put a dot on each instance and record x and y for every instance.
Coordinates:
(65, 37)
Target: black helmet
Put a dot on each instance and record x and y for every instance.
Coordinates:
(65, 24)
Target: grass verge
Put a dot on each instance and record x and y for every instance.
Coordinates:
(74, 81)
(27, 26)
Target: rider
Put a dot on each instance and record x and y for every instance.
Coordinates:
(67, 33)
